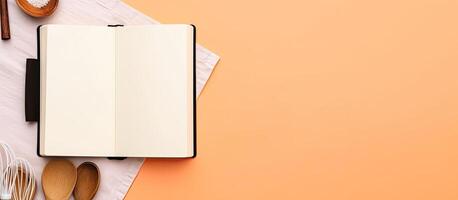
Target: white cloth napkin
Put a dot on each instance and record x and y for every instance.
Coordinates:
(116, 176)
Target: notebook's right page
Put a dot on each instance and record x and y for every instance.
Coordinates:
(154, 91)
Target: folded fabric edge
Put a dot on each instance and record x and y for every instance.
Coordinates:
(127, 181)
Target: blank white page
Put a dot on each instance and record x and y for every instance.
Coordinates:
(154, 91)
(77, 90)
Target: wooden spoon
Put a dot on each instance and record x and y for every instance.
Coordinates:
(88, 181)
(58, 179)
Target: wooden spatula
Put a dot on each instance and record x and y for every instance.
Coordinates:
(58, 179)
(87, 182)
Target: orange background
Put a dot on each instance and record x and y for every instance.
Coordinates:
(331, 99)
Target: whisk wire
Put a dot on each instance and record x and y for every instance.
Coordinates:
(25, 181)
(17, 178)
(6, 158)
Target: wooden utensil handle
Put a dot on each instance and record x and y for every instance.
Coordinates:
(4, 20)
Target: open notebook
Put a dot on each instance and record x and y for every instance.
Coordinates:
(117, 91)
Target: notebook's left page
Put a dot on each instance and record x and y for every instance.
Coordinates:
(77, 108)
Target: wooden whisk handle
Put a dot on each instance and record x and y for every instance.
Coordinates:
(4, 20)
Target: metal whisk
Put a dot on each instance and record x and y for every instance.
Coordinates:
(25, 183)
(7, 157)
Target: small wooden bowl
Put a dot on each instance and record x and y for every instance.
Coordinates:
(88, 181)
(37, 12)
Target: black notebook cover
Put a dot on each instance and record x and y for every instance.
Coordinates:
(32, 93)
